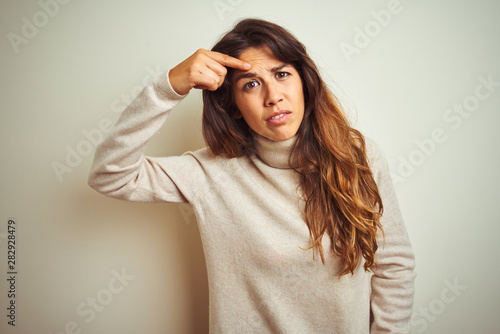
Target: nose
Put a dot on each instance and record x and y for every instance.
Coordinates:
(273, 94)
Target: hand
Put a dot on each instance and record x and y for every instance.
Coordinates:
(203, 70)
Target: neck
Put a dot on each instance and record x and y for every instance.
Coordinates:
(274, 153)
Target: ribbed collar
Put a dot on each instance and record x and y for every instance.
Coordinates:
(274, 153)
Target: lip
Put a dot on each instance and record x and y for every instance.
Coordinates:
(280, 120)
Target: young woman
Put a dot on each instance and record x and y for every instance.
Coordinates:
(299, 221)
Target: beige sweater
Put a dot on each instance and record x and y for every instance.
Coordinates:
(251, 224)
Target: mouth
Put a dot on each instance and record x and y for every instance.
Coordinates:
(279, 117)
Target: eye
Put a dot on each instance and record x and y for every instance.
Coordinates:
(282, 75)
(250, 85)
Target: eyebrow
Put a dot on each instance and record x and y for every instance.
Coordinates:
(253, 74)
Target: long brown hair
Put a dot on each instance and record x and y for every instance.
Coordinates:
(340, 193)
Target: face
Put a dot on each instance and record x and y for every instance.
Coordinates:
(269, 96)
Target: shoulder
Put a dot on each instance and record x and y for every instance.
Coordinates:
(376, 158)
(196, 172)
(208, 166)
(374, 152)
(205, 157)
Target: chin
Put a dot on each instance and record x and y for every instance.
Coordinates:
(280, 137)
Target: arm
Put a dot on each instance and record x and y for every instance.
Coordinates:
(392, 282)
(120, 169)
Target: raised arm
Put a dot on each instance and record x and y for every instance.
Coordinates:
(120, 168)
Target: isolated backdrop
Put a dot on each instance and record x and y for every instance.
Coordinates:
(421, 77)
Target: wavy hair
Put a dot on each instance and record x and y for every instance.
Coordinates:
(340, 193)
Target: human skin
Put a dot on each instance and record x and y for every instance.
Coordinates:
(263, 86)
(204, 69)
(269, 96)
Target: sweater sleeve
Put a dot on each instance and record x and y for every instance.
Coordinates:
(120, 169)
(393, 278)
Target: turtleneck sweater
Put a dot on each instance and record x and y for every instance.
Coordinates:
(250, 217)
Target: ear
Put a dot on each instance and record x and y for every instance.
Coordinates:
(238, 115)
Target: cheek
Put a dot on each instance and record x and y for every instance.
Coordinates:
(247, 104)
(240, 104)
(242, 100)
(300, 94)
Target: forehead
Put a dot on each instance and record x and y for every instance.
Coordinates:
(258, 56)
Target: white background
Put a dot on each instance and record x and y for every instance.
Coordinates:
(72, 73)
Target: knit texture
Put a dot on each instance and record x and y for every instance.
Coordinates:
(251, 221)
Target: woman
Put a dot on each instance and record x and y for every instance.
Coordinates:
(284, 180)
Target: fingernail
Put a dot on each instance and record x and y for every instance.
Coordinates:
(247, 66)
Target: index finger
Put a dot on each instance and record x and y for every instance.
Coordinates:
(229, 61)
